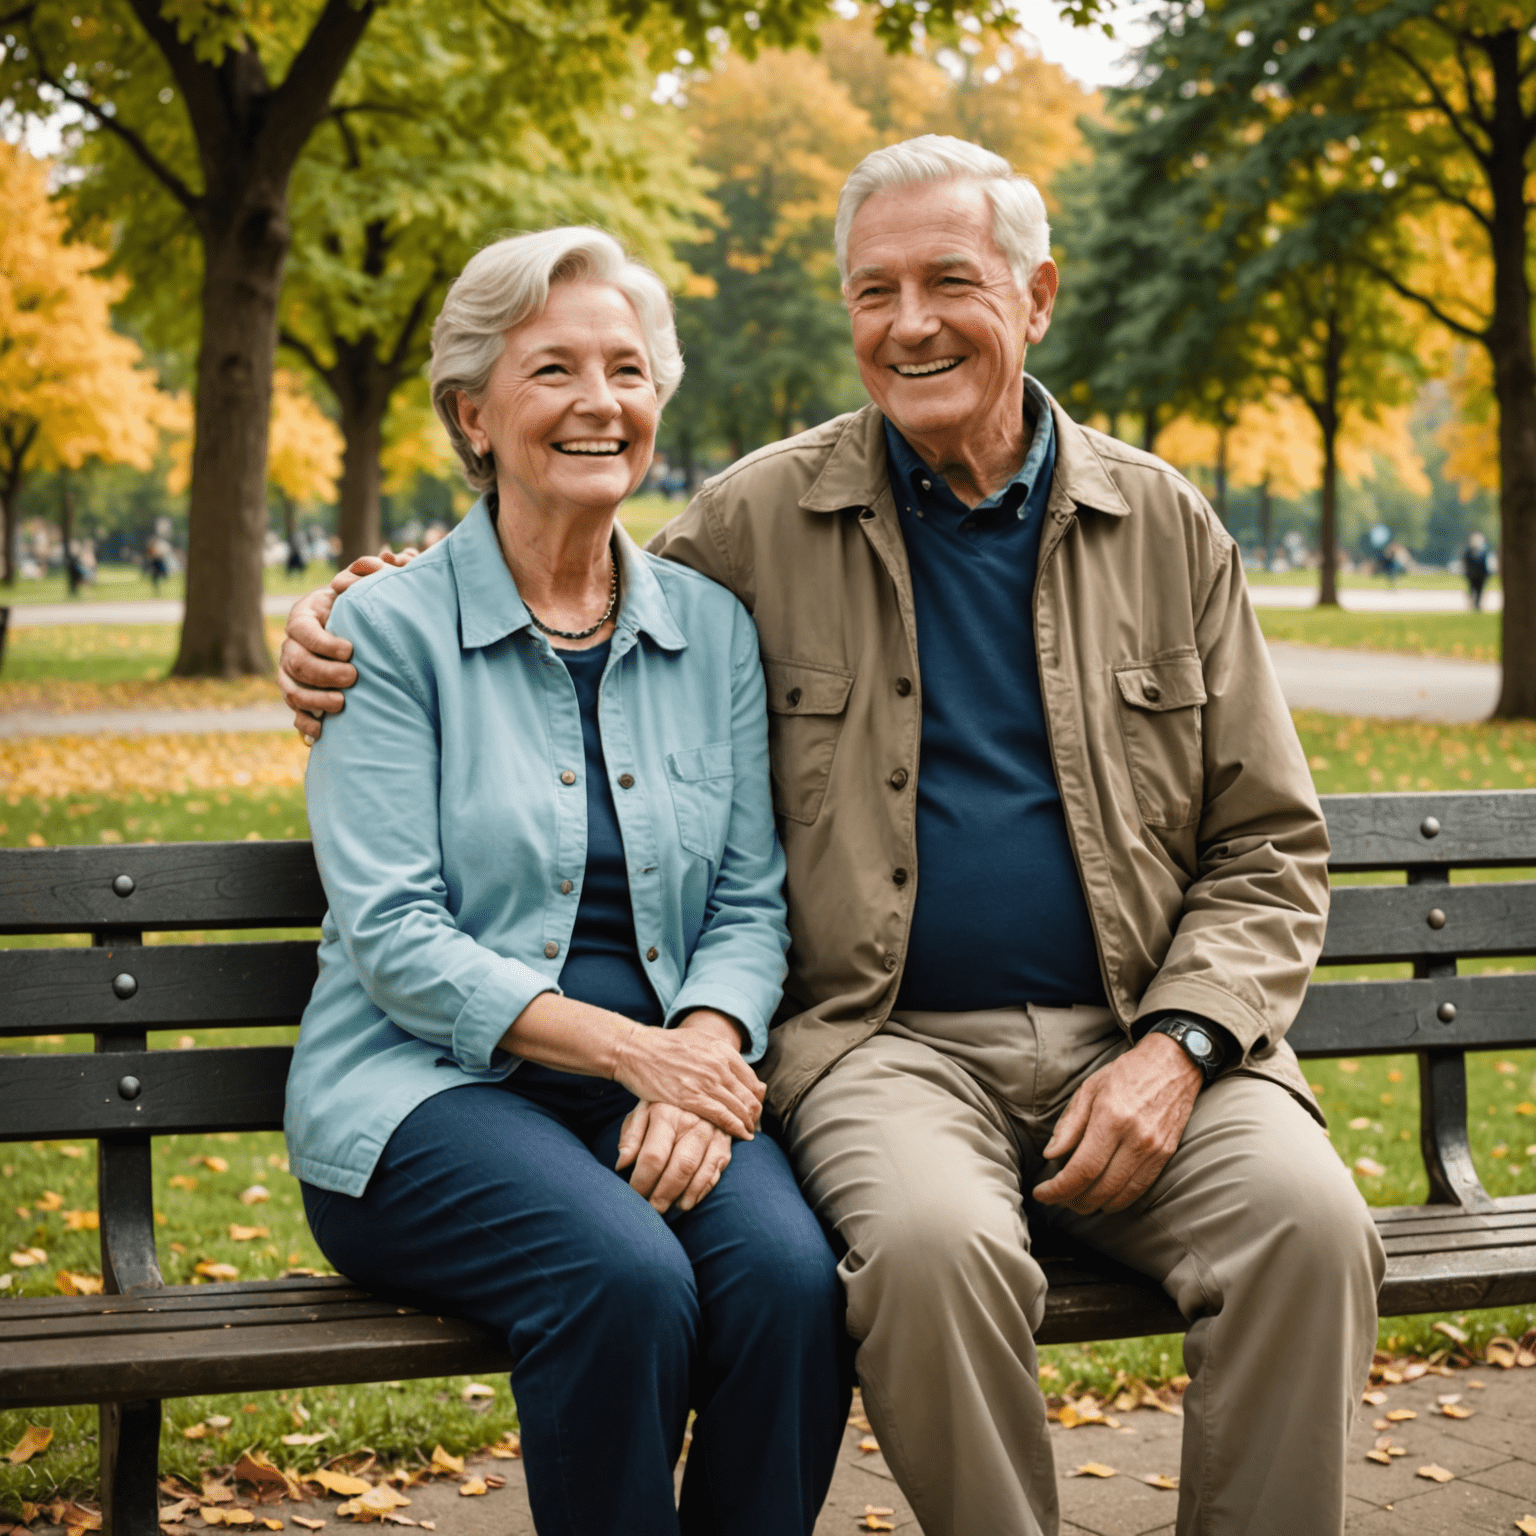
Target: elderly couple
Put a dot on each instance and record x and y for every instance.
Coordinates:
(980, 693)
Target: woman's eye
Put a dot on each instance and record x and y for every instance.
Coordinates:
(548, 368)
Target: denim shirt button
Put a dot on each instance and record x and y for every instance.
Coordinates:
(551, 950)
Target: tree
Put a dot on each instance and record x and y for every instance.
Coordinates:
(202, 108)
(397, 190)
(71, 387)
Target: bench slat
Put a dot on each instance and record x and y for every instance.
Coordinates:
(1395, 1218)
(176, 886)
(237, 1088)
(64, 991)
(1390, 922)
(1492, 828)
(1462, 1242)
(1459, 1282)
(1379, 1018)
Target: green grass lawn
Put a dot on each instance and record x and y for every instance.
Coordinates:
(1419, 581)
(1470, 636)
(1372, 1105)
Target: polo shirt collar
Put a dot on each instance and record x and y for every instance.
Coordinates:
(490, 607)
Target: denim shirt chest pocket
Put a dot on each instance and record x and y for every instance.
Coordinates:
(703, 783)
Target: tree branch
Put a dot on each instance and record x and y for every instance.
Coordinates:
(197, 81)
(1483, 157)
(412, 320)
(286, 338)
(1425, 303)
(299, 102)
(1421, 177)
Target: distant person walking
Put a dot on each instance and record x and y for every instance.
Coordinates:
(1475, 562)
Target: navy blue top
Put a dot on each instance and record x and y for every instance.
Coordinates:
(602, 964)
(1000, 917)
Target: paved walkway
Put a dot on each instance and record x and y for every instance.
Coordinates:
(1376, 599)
(164, 610)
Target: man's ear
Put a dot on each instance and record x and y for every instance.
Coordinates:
(1042, 299)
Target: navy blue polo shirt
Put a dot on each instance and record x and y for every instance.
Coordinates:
(1000, 918)
(602, 965)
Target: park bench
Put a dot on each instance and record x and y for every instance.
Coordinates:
(144, 1341)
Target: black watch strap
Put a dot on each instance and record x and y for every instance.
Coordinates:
(1200, 1041)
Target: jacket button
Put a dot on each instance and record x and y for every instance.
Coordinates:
(903, 686)
(626, 781)
(1152, 693)
(566, 887)
(890, 962)
(899, 779)
(899, 876)
(792, 697)
(653, 953)
(567, 777)
(551, 950)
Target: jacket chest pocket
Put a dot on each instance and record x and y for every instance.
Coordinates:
(1159, 707)
(807, 704)
(702, 782)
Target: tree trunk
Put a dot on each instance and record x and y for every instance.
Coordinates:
(222, 634)
(362, 386)
(17, 446)
(1328, 530)
(1149, 429)
(67, 528)
(1266, 521)
(1514, 372)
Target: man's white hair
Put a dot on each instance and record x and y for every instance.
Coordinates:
(1019, 224)
(509, 282)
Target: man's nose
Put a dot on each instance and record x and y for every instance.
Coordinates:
(915, 320)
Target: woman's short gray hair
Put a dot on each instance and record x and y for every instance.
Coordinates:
(509, 282)
(1019, 224)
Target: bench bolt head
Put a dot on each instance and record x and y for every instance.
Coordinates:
(1436, 918)
(129, 1088)
(1446, 1013)
(1430, 826)
(123, 885)
(125, 985)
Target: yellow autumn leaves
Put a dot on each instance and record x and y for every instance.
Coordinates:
(49, 768)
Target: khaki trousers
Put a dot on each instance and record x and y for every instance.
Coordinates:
(918, 1147)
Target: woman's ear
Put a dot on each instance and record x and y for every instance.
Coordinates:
(469, 422)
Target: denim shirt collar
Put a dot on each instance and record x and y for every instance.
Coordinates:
(490, 607)
(930, 490)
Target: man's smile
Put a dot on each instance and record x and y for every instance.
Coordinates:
(922, 370)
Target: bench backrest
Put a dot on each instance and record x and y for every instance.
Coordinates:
(118, 990)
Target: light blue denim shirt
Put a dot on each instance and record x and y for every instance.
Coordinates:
(445, 829)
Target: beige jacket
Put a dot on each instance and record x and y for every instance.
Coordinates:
(1197, 833)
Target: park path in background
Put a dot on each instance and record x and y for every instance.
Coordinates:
(276, 606)
(1336, 682)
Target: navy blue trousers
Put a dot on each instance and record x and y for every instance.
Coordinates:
(501, 1204)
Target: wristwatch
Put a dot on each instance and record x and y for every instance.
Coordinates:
(1197, 1039)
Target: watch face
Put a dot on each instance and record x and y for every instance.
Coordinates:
(1197, 1043)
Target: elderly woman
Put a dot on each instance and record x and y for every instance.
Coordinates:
(521, 1090)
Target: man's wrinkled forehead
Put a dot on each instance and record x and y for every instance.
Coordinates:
(935, 264)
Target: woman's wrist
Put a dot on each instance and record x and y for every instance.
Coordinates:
(721, 1025)
(623, 1039)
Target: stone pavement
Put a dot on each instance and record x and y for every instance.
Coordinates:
(149, 610)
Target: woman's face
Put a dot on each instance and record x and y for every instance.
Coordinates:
(570, 411)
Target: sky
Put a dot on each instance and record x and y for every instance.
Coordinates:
(1085, 53)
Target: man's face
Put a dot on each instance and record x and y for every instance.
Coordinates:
(939, 326)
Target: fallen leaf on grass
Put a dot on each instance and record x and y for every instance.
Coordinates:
(444, 1462)
(1382, 1456)
(1398, 1415)
(71, 1284)
(212, 1164)
(218, 1421)
(1160, 1480)
(1360, 1123)
(477, 1389)
(82, 1221)
(1450, 1330)
(217, 1493)
(25, 1258)
(869, 1445)
(211, 1270)
(195, 1432)
(34, 1439)
(239, 1234)
(1436, 1474)
(1369, 1168)
(257, 1467)
(74, 1517)
(182, 1181)
(1092, 1469)
(338, 1483)
(49, 1201)
(472, 1487)
(307, 1523)
(305, 1439)
(255, 1194)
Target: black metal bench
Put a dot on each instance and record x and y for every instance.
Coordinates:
(144, 1341)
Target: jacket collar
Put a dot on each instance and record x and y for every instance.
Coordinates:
(855, 470)
(490, 608)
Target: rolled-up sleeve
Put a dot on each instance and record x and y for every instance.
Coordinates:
(372, 792)
(738, 965)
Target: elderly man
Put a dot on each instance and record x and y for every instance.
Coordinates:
(1057, 880)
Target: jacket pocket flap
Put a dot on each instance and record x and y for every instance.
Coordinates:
(1168, 682)
(696, 763)
(806, 688)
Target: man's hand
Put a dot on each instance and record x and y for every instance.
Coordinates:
(1125, 1122)
(677, 1156)
(314, 664)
